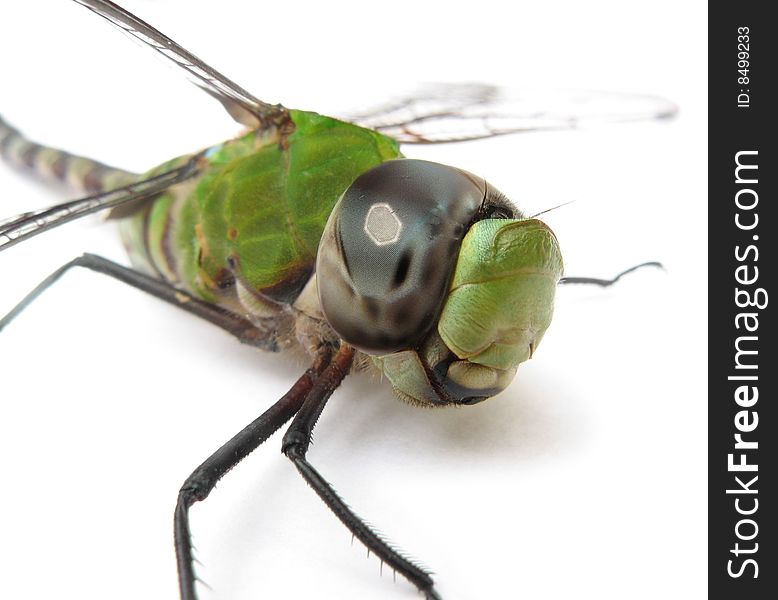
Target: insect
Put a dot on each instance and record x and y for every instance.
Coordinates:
(230, 279)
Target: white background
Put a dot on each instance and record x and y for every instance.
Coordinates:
(585, 479)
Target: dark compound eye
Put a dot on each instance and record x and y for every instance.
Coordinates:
(498, 212)
(390, 248)
(473, 400)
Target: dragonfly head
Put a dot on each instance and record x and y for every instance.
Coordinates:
(438, 278)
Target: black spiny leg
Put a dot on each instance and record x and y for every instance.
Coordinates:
(295, 446)
(242, 329)
(608, 282)
(200, 483)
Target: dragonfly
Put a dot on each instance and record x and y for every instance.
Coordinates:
(314, 232)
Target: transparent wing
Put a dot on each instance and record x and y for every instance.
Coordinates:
(29, 224)
(443, 112)
(240, 104)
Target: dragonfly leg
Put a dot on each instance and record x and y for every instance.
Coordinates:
(199, 484)
(608, 282)
(241, 328)
(295, 446)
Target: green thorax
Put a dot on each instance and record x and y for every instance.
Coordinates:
(259, 209)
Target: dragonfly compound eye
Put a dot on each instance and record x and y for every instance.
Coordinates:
(389, 251)
(414, 270)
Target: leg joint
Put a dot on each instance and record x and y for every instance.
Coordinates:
(193, 491)
(295, 445)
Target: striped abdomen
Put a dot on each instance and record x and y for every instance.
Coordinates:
(80, 174)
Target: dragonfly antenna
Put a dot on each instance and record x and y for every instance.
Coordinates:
(543, 212)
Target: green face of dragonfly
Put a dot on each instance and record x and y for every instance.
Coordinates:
(447, 301)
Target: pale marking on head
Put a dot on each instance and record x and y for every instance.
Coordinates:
(382, 225)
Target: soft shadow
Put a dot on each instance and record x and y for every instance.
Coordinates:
(536, 416)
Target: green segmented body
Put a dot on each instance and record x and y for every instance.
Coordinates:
(244, 232)
(249, 226)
